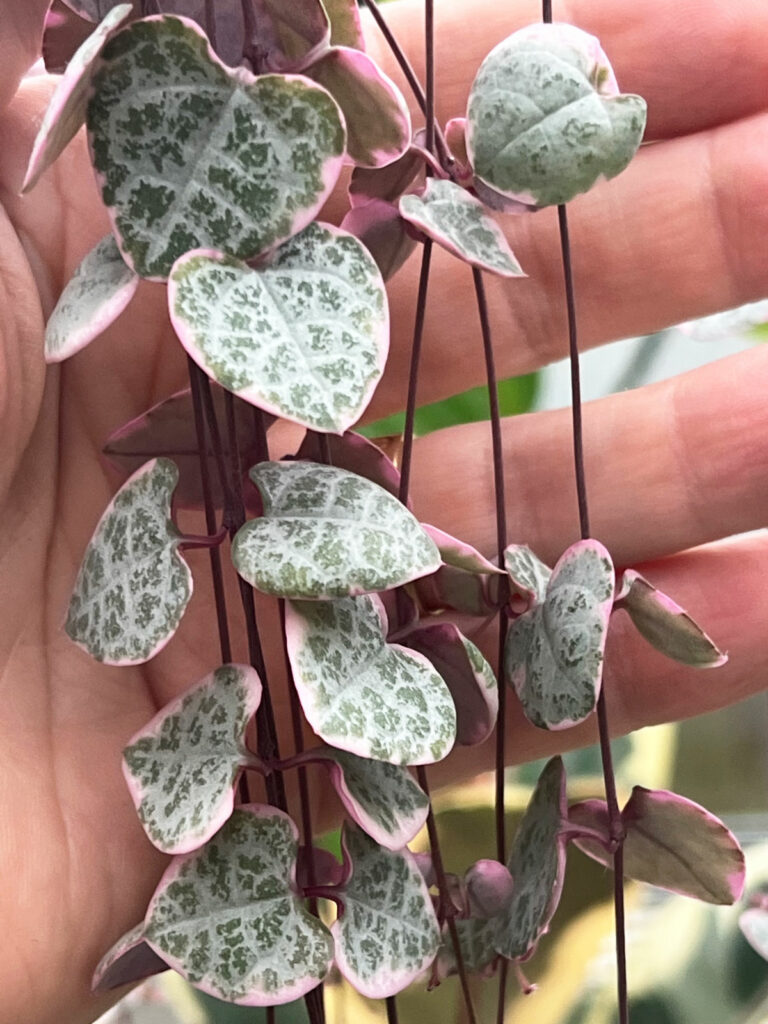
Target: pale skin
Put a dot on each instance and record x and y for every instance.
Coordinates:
(673, 467)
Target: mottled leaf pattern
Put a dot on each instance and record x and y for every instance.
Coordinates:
(357, 454)
(361, 694)
(326, 533)
(131, 959)
(388, 933)
(133, 586)
(181, 769)
(544, 122)
(554, 651)
(477, 938)
(190, 153)
(305, 338)
(527, 572)
(227, 919)
(346, 29)
(450, 216)
(65, 114)
(100, 289)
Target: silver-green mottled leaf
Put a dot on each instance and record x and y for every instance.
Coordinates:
(450, 216)
(388, 933)
(328, 533)
(181, 769)
(554, 651)
(133, 586)
(360, 693)
(65, 114)
(477, 938)
(190, 153)
(100, 289)
(544, 122)
(228, 920)
(383, 799)
(305, 338)
(527, 572)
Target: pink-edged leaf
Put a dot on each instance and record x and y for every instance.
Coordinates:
(527, 572)
(64, 32)
(383, 232)
(467, 674)
(388, 933)
(665, 625)
(182, 767)
(66, 111)
(133, 586)
(554, 651)
(500, 203)
(289, 36)
(489, 887)
(450, 216)
(305, 337)
(163, 102)
(229, 920)
(388, 183)
(100, 289)
(460, 554)
(318, 867)
(452, 589)
(130, 960)
(376, 115)
(456, 139)
(754, 927)
(357, 454)
(346, 27)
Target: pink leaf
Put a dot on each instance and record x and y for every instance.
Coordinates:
(382, 231)
(130, 960)
(389, 182)
(458, 553)
(489, 887)
(455, 136)
(318, 867)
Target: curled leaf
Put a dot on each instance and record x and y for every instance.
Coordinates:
(460, 554)
(131, 959)
(527, 572)
(290, 35)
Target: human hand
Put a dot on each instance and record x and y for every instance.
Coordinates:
(678, 235)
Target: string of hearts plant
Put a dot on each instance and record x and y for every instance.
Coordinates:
(217, 132)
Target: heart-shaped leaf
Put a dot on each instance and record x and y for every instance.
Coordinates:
(382, 798)
(544, 121)
(360, 693)
(327, 533)
(665, 625)
(228, 920)
(346, 27)
(375, 113)
(130, 960)
(190, 153)
(387, 183)
(66, 111)
(460, 554)
(133, 586)
(527, 572)
(182, 767)
(467, 674)
(100, 289)
(489, 887)
(554, 651)
(357, 454)
(305, 338)
(388, 933)
(450, 216)
(289, 35)
(383, 232)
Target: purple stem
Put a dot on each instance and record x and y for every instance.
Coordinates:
(502, 1003)
(429, 35)
(392, 1010)
(194, 541)
(410, 409)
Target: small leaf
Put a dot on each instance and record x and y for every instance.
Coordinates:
(356, 454)
(382, 798)
(554, 651)
(456, 140)
(387, 183)
(460, 554)
(665, 625)
(360, 693)
(305, 338)
(133, 586)
(388, 933)
(190, 153)
(450, 216)
(592, 815)
(130, 960)
(527, 572)
(346, 27)
(375, 113)
(754, 927)
(182, 767)
(489, 887)
(290, 35)
(100, 289)
(467, 674)
(228, 920)
(327, 533)
(456, 590)
(544, 121)
(383, 232)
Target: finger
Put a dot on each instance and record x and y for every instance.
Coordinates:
(698, 65)
(668, 467)
(20, 41)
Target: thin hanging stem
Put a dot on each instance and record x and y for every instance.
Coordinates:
(392, 1010)
(413, 378)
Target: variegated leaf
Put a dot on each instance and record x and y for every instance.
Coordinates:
(66, 111)
(305, 338)
(190, 153)
(182, 767)
(545, 121)
(229, 921)
(346, 28)
(328, 533)
(388, 933)
(133, 586)
(100, 289)
(130, 960)
(450, 216)
(375, 113)
(554, 651)
(527, 572)
(360, 693)
(356, 454)
(477, 938)
(383, 232)
(460, 554)
(382, 798)
(665, 625)
(289, 35)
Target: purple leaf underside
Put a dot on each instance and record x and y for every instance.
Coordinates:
(130, 960)
(290, 35)
(390, 182)
(383, 232)
(356, 454)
